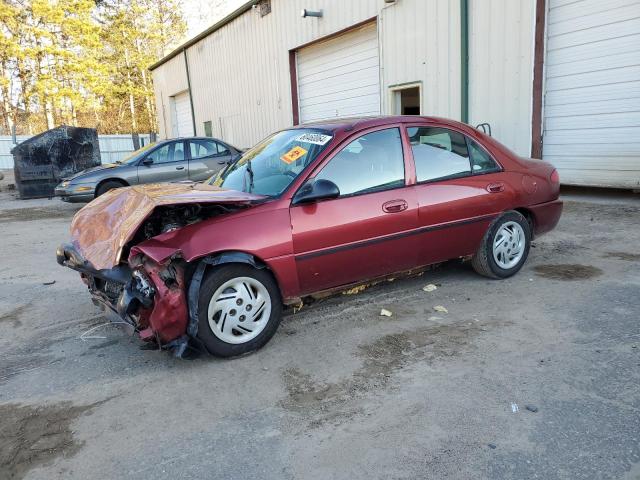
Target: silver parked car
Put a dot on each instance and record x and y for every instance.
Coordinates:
(179, 159)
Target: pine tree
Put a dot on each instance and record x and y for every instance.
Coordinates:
(83, 62)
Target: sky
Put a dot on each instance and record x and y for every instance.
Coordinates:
(201, 14)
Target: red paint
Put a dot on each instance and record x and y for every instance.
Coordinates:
(168, 317)
(546, 216)
(335, 242)
(316, 227)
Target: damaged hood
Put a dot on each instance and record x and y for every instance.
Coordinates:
(101, 229)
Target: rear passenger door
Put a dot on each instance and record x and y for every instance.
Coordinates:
(164, 164)
(206, 158)
(459, 191)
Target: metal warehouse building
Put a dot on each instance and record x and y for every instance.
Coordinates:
(555, 79)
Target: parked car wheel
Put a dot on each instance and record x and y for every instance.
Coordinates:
(239, 309)
(505, 246)
(106, 186)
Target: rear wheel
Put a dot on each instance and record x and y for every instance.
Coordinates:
(505, 246)
(239, 309)
(106, 186)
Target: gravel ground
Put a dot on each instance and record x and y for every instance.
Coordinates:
(536, 376)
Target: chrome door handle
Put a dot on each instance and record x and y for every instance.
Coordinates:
(394, 206)
(180, 168)
(495, 187)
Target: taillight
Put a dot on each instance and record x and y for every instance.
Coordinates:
(555, 177)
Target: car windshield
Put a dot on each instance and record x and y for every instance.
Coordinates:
(271, 166)
(133, 156)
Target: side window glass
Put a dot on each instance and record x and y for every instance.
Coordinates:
(163, 154)
(202, 148)
(481, 161)
(373, 162)
(438, 153)
(178, 152)
(222, 150)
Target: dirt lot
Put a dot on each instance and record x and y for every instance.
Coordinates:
(533, 377)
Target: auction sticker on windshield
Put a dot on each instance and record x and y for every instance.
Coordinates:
(294, 154)
(315, 138)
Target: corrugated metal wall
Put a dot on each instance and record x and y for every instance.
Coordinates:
(420, 42)
(240, 73)
(168, 81)
(501, 45)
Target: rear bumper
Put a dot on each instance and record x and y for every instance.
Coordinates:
(546, 216)
(151, 297)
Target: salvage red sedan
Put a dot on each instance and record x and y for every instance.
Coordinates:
(310, 209)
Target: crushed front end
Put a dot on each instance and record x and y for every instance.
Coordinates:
(149, 297)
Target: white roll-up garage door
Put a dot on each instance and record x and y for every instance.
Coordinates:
(592, 92)
(340, 77)
(182, 121)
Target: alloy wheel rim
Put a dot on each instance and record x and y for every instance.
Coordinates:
(239, 310)
(509, 245)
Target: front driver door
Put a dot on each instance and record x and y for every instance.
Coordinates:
(206, 158)
(363, 233)
(166, 163)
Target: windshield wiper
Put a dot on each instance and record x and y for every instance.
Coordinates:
(250, 172)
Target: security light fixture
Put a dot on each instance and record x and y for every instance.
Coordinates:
(310, 13)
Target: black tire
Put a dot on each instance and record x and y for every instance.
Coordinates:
(215, 278)
(483, 261)
(106, 186)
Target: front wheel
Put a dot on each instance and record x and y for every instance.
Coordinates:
(505, 246)
(107, 186)
(239, 309)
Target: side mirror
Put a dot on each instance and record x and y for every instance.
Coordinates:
(316, 190)
(147, 161)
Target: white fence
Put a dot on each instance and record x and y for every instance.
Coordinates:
(112, 147)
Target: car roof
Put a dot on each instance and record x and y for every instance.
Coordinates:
(373, 121)
(177, 139)
(180, 139)
(344, 126)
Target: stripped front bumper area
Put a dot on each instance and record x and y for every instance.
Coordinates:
(148, 296)
(74, 195)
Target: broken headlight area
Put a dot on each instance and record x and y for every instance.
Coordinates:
(156, 298)
(138, 293)
(173, 217)
(148, 296)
